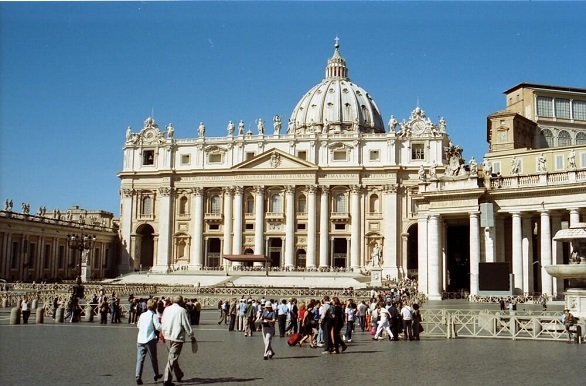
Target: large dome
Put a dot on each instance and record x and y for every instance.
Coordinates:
(336, 105)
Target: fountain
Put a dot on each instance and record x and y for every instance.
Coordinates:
(575, 271)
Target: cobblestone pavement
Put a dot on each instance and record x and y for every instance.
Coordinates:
(92, 354)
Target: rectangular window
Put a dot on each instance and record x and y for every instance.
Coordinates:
(215, 158)
(562, 108)
(249, 227)
(340, 227)
(185, 159)
(579, 110)
(300, 227)
(96, 257)
(374, 155)
(545, 106)
(47, 256)
(559, 162)
(249, 155)
(61, 258)
(417, 151)
(302, 154)
(496, 167)
(340, 155)
(214, 227)
(148, 157)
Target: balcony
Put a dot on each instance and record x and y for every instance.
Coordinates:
(340, 217)
(213, 217)
(275, 216)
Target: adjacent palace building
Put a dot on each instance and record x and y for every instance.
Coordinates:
(332, 188)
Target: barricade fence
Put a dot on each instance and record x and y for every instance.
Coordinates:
(437, 323)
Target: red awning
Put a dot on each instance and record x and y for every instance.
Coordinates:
(243, 258)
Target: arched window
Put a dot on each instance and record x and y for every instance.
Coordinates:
(373, 207)
(215, 204)
(249, 207)
(581, 139)
(564, 138)
(183, 205)
(147, 206)
(276, 203)
(340, 203)
(547, 138)
(301, 204)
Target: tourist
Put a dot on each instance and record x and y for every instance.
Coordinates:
(25, 310)
(268, 320)
(241, 310)
(55, 306)
(232, 314)
(249, 314)
(568, 320)
(104, 310)
(395, 320)
(325, 320)
(407, 316)
(293, 316)
(337, 324)
(384, 324)
(361, 313)
(146, 341)
(350, 318)
(196, 311)
(417, 319)
(175, 325)
(282, 315)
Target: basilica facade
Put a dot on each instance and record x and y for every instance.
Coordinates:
(335, 189)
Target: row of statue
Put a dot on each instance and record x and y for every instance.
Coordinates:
(404, 127)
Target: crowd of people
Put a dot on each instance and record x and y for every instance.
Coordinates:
(319, 323)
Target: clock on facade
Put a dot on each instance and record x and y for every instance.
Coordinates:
(418, 127)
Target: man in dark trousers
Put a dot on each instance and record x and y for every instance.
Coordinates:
(337, 324)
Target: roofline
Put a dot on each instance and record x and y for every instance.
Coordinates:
(546, 87)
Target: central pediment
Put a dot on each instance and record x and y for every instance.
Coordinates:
(275, 159)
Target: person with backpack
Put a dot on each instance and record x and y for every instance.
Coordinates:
(337, 324)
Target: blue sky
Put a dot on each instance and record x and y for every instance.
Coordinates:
(73, 76)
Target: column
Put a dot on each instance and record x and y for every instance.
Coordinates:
(197, 258)
(489, 245)
(290, 226)
(574, 216)
(517, 254)
(527, 232)
(227, 246)
(126, 231)
(545, 241)
(237, 244)
(355, 236)
(390, 230)
(259, 211)
(324, 223)
(474, 251)
(434, 270)
(165, 249)
(422, 254)
(499, 245)
(311, 226)
(556, 253)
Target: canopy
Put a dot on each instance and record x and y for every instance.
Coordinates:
(244, 258)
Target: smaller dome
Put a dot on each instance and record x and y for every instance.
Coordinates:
(336, 105)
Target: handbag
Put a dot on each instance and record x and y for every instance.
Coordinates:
(420, 328)
(194, 346)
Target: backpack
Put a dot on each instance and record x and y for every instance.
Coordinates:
(330, 313)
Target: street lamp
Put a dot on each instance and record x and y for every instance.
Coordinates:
(82, 243)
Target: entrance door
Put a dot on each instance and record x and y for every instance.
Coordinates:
(340, 253)
(146, 244)
(458, 261)
(275, 248)
(213, 252)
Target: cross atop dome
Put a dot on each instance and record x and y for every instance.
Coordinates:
(336, 68)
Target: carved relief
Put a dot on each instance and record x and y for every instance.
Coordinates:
(165, 191)
(127, 192)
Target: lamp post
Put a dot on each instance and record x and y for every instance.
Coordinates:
(82, 243)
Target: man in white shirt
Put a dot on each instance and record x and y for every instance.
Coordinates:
(175, 327)
(146, 341)
(407, 317)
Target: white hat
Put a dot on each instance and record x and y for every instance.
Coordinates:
(268, 304)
